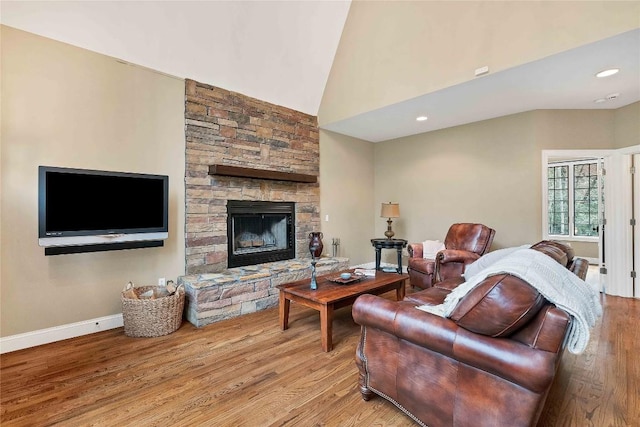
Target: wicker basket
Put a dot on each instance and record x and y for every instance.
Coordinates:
(152, 317)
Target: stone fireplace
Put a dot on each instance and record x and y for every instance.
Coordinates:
(243, 153)
(230, 130)
(259, 232)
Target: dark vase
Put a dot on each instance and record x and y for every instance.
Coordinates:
(315, 244)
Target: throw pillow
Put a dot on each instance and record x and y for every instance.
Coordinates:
(498, 306)
(556, 250)
(488, 259)
(430, 248)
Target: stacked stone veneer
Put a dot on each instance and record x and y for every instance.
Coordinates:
(211, 297)
(224, 127)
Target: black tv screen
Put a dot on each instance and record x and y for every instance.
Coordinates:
(110, 206)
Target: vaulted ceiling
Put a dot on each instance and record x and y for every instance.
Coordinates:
(277, 51)
(282, 51)
(563, 81)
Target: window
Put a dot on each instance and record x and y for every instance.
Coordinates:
(558, 198)
(572, 199)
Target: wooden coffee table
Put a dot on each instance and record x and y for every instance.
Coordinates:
(330, 296)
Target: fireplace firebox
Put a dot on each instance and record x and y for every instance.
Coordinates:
(259, 232)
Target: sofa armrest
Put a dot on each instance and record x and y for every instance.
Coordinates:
(506, 358)
(415, 250)
(405, 321)
(452, 262)
(456, 255)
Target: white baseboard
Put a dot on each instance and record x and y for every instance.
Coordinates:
(58, 333)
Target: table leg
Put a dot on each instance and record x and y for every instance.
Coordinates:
(378, 256)
(284, 311)
(326, 327)
(400, 260)
(400, 291)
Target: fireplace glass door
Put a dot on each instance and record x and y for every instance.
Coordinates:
(259, 232)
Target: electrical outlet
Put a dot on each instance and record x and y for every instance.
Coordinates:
(162, 281)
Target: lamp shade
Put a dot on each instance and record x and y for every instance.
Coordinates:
(390, 210)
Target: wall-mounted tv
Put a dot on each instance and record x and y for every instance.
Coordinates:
(81, 210)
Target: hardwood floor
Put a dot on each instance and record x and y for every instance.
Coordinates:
(247, 372)
(601, 387)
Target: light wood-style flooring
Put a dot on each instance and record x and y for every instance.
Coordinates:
(247, 372)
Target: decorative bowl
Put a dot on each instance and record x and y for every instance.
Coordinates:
(345, 276)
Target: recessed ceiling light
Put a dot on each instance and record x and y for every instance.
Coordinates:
(421, 118)
(599, 100)
(607, 73)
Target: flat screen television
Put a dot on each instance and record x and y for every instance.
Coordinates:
(100, 209)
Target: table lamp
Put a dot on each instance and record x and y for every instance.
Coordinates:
(390, 210)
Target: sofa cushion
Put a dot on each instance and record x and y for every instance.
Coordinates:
(450, 283)
(498, 306)
(431, 296)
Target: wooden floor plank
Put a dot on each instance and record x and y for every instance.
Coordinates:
(246, 371)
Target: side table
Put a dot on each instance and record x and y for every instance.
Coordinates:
(396, 244)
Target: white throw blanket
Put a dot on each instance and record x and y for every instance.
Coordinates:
(557, 284)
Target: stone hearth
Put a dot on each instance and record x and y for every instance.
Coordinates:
(211, 297)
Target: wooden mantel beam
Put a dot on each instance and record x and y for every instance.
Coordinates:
(225, 170)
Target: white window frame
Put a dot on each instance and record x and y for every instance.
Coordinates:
(571, 201)
(617, 209)
(545, 204)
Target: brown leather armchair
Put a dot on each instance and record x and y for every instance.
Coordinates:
(464, 243)
(490, 364)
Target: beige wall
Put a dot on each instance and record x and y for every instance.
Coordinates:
(627, 125)
(346, 195)
(65, 106)
(391, 51)
(487, 172)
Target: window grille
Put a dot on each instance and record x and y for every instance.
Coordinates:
(572, 199)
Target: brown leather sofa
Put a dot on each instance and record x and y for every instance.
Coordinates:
(491, 363)
(464, 243)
